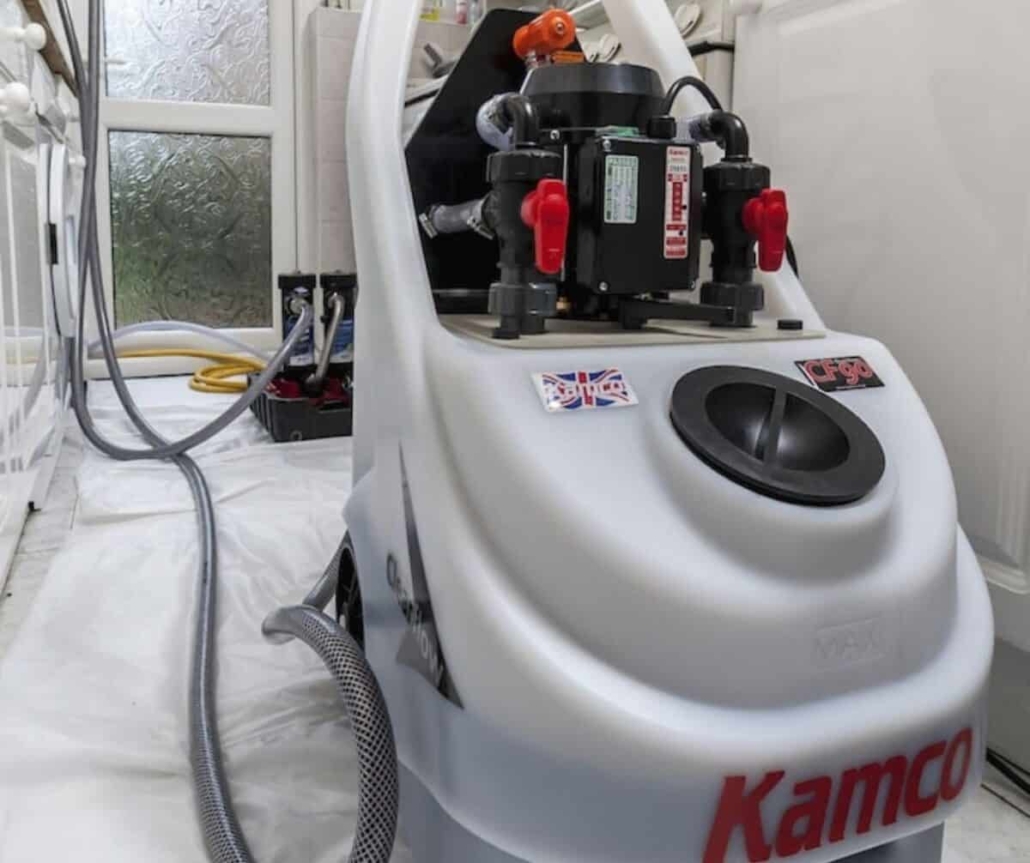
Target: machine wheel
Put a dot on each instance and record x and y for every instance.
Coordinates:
(349, 610)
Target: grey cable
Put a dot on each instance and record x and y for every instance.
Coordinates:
(217, 815)
(321, 594)
(315, 382)
(222, 833)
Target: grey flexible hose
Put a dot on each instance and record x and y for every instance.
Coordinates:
(457, 219)
(315, 382)
(222, 834)
(221, 828)
(320, 595)
(378, 789)
(181, 327)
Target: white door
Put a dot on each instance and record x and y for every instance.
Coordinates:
(899, 131)
(196, 188)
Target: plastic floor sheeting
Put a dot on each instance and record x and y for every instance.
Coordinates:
(93, 692)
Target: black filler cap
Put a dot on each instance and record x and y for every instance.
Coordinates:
(777, 436)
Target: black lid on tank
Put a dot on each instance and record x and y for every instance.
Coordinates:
(595, 95)
(777, 436)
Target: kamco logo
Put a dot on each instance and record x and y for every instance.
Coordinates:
(843, 373)
(822, 808)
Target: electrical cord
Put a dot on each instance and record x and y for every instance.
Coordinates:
(681, 84)
(792, 258)
(1010, 770)
(678, 87)
(701, 49)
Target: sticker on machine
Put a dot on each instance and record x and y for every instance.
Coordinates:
(839, 374)
(677, 203)
(621, 190)
(563, 392)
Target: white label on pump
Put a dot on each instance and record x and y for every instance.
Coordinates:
(621, 189)
(677, 203)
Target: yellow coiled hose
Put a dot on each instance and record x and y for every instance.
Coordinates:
(223, 377)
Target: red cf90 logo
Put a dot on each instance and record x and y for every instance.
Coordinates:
(841, 373)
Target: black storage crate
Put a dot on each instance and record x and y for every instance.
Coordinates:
(288, 415)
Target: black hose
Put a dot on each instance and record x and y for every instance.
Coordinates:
(792, 258)
(679, 85)
(725, 129)
(700, 49)
(520, 113)
(1010, 770)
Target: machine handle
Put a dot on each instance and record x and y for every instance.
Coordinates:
(546, 210)
(766, 217)
(553, 31)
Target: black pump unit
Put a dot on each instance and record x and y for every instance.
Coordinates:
(595, 198)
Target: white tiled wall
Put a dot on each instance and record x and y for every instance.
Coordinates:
(330, 41)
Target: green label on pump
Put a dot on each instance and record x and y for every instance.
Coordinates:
(621, 189)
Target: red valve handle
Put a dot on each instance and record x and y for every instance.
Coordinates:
(766, 217)
(546, 210)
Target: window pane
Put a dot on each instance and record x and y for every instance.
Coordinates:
(13, 55)
(214, 51)
(191, 221)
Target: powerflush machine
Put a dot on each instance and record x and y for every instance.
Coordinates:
(643, 574)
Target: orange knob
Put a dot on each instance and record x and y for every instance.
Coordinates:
(553, 31)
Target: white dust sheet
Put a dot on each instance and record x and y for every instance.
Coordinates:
(93, 693)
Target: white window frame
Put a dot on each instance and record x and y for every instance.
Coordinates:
(274, 121)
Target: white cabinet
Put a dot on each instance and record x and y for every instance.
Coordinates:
(32, 384)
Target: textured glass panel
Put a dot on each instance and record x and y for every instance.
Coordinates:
(191, 219)
(13, 55)
(189, 50)
(25, 204)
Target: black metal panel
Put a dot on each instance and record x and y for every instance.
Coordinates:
(447, 159)
(630, 258)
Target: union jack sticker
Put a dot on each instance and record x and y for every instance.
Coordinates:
(584, 391)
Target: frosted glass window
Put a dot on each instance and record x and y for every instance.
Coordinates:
(25, 204)
(191, 222)
(13, 55)
(189, 50)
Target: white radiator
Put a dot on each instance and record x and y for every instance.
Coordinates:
(33, 387)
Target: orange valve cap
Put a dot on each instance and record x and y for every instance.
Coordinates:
(553, 31)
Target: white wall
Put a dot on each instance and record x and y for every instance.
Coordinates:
(900, 130)
(31, 418)
(329, 37)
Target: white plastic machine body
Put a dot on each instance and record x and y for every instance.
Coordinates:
(627, 656)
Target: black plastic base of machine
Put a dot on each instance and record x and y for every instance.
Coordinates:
(634, 313)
